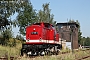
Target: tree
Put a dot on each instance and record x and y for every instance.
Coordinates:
(79, 32)
(87, 41)
(8, 8)
(7, 34)
(26, 17)
(19, 37)
(45, 15)
(82, 41)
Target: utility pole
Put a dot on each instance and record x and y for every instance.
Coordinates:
(72, 41)
(61, 37)
(72, 30)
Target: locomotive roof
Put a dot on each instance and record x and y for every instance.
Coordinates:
(43, 23)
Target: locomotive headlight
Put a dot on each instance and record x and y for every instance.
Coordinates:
(51, 30)
(27, 40)
(34, 29)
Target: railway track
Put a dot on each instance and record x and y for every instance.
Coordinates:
(31, 57)
(85, 57)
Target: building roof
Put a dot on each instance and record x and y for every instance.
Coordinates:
(68, 23)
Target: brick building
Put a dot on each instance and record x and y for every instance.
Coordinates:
(69, 32)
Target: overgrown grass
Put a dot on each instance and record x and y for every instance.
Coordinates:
(10, 51)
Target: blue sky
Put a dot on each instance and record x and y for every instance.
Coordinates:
(68, 9)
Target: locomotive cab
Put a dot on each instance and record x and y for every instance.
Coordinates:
(34, 34)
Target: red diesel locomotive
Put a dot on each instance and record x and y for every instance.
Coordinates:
(41, 38)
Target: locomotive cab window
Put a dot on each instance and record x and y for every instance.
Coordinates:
(47, 25)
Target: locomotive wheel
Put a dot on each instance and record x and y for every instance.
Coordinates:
(37, 53)
(23, 53)
(42, 53)
(57, 52)
(49, 53)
